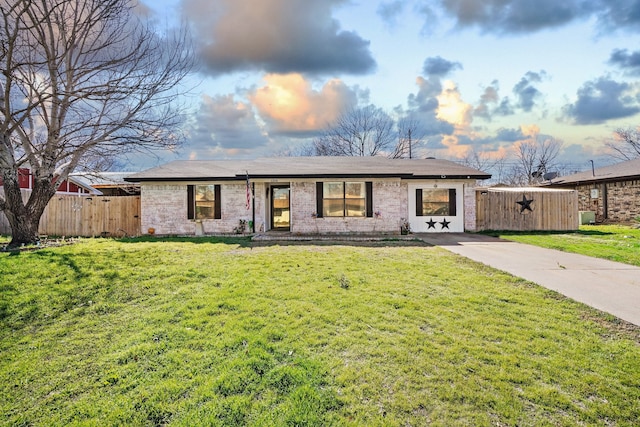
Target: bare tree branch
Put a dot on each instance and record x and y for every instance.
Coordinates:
(366, 131)
(534, 157)
(626, 144)
(82, 80)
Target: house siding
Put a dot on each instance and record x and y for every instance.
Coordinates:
(622, 202)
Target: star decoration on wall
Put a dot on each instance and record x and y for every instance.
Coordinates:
(431, 223)
(444, 223)
(525, 204)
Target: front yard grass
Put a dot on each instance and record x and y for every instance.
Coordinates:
(614, 242)
(187, 332)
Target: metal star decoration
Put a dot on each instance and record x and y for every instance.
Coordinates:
(525, 204)
(431, 223)
(444, 223)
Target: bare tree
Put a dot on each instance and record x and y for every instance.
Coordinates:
(367, 131)
(626, 144)
(300, 150)
(484, 161)
(81, 81)
(534, 158)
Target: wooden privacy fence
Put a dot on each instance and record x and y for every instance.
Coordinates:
(87, 216)
(526, 209)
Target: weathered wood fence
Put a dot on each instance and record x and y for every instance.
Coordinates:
(87, 216)
(526, 209)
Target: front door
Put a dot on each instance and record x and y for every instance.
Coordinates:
(280, 208)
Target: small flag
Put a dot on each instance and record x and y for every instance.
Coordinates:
(248, 205)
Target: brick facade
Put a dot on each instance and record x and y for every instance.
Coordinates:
(389, 200)
(164, 208)
(620, 199)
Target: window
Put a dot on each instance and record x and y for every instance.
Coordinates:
(436, 201)
(203, 202)
(340, 199)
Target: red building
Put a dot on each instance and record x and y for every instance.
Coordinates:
(69, 186)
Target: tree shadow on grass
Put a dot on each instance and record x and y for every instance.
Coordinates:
(243, 241)
(248, 242)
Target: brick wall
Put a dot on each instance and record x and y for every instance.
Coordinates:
(389, 199)
(164, 208)
(623, 200)
(470, 208)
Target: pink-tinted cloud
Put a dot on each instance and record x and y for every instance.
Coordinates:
(290, 105)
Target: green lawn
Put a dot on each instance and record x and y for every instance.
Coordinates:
(187, 332)
(615, 242)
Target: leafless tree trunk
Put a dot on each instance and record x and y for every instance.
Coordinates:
(367, 131)
(626, 144)
(81, 80)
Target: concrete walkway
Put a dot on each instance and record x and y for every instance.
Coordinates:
(606, 285)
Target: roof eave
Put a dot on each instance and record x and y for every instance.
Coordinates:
(309, 176)
(597, 180)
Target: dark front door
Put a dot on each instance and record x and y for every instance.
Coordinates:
(280, 208)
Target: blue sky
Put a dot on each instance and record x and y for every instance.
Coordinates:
(479, 74)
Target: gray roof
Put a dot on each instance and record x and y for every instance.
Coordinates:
(618, 172)
(307, 167)
(103, 179)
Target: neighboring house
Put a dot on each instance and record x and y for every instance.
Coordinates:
(305, 195)
(612, 192)
(108, 183)
(70, 186)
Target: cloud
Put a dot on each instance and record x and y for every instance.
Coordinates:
(517, 16)
(389, 11)
(525, 90)
(423, 107)
(601, 100)
(620, 14)
(451, 107)
(224, 123)
(490, 103)
(289, 104)
(629, 62)
(438, 66)
(278, 36)
(425, 100)
(510, 135)
(526, 16)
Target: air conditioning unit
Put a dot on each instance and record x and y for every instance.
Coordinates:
(587, 217)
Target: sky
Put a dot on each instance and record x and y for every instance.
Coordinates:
(479, 75)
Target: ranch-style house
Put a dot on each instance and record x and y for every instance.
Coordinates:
(306, 195)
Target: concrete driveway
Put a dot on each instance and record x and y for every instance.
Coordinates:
(606, 285)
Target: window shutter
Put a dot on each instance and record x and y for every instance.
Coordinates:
(452, 202)
(418, 201)
(191, 206)
(217, 206)
(319, 191)
(369, 198)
